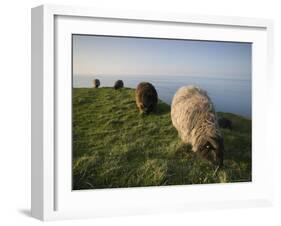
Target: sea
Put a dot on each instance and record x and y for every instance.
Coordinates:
(232, 95)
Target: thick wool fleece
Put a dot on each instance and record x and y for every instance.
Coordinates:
(193, 115)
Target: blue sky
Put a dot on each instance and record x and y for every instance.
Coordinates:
(105, 55)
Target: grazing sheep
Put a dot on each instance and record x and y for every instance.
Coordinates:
(225, 123)
(193, 115)
(146, 97)
(118, 84)
(96, 83)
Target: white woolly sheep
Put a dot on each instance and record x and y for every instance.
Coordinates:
(193, 115)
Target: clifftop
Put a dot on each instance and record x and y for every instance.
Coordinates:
(116, 146)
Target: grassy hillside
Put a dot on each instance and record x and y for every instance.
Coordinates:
(116, 146)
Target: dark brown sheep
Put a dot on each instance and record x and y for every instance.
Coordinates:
(146, 97)
(96, 83)
(225, 123)
(118, 84)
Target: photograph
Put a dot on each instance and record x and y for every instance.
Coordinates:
(152, 111)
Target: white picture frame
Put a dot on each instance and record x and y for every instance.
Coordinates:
(52, 197)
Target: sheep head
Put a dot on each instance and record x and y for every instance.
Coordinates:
(212, 149)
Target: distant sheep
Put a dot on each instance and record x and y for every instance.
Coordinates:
(224, 123)
(193, 115)
(118, 84)
(96, 83)
(146, 97)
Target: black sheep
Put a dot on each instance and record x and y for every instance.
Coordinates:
(225, 123)
(118, 84)
(96, 83)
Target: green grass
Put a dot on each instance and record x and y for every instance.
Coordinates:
(116, 146)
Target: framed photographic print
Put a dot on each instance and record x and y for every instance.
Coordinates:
(136, 112)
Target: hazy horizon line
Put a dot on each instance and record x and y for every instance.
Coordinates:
(242, 77)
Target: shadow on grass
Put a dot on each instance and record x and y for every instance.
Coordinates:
(162, 108)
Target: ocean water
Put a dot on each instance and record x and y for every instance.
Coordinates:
(228, 94)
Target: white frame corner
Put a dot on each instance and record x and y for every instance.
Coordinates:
(43, 96)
